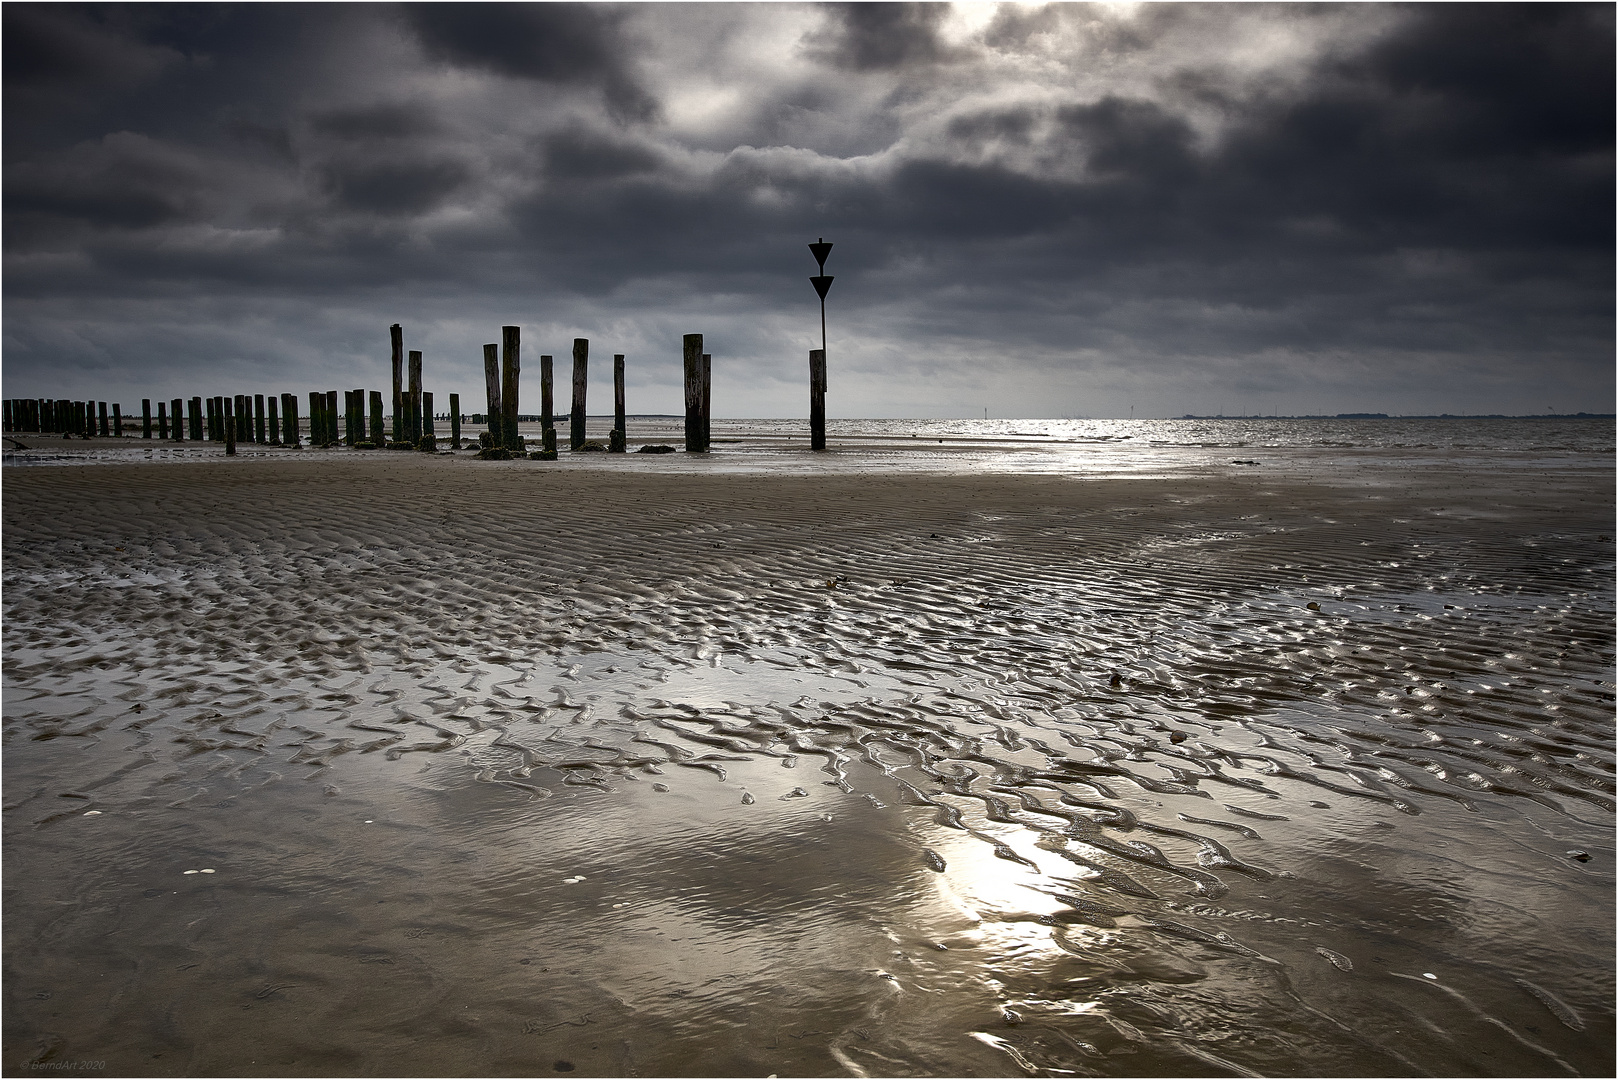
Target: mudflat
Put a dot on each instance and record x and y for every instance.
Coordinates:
(351, 764)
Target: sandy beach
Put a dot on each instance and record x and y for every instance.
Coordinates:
(346, 763)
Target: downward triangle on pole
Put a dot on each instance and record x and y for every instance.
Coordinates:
(822, 283)
(821, 250)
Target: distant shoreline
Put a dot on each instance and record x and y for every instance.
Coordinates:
(1409, 416)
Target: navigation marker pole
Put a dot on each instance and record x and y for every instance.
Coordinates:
(817, 358)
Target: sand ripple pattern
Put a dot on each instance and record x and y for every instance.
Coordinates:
(1135, 704)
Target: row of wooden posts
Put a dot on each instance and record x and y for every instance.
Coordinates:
(274, 422)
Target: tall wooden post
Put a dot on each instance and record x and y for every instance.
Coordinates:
(163, 420)
(146, 418)
(581, 378)
(491, 386)
(210, 413)
(510, 369)
(274, 419)
(547, 404)
(258, 419)
(359, 418)
(289, 421)
(817, 399)
(414, 436)
(105, 429)
(177, 421)
(396, 336)
(229, 424)
(333, 436)
(429, 435)
(244, 430)
(317, 423)
(616, 442)
(693, 394)
(455, 421)
(11, 411)
(117, 420)
(707, 400)
(379, 435)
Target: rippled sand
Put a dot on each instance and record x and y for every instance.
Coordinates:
(627, 767)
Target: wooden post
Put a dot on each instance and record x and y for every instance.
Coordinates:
(333, 436)
(378, 425)
(693, 394)
(707, 399)
(455, 421)
(10, 417)
(244, 432)
(396, 335)
(617, 440)
(258, 419)
(317, 424)
(177, 420)
(510, 370)
(210, 419)
(414, 435)
(547, 419)
(289, 421)
(229, 424)
(117, 420)
(359, 418)
(163, 420)
(817, 399)
(105, 430)
(429, 435)
(581, 377)
(146, 418)
(273, 404)
(491, 386)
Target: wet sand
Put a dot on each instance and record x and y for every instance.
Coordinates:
(633, 767)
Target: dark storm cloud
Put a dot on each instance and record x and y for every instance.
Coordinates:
(1378, 205)
(880, 37)
(568, 44)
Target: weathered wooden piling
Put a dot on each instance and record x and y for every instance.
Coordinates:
(707, 399)
(378, 425)
(229, 422)
(455, 421)
(146, 418)
(415, 432)
(429, 434)
(177, 420)
(117, 420)
(491, 386)
(163, 420)
(396, 336)
(195, 418)
(510, 372)
(817, 399)
(617, 441)
(693, 394)
(244, 419)
(547, 405)
(106, 430)
(258, 419)
(210, 419)
(581, 379)
(289, 420)
(357, 418)
(10, 416)
(273, 408)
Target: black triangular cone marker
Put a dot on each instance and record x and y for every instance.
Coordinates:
(821, 250)
(822, 285)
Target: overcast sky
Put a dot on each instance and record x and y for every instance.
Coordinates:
(1059, 210)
